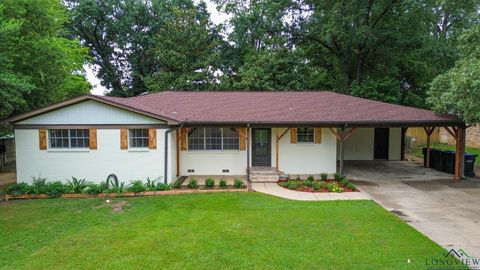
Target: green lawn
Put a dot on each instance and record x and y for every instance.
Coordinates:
(207, 231)
(471, 150)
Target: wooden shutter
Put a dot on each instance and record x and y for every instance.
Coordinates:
(93, 138)
(242, 137)
(152, 138)
(318, 135)
(123, 139)
(42, 139)
(293, 135)
(183, 139)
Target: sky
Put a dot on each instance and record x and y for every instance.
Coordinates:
(98, 89)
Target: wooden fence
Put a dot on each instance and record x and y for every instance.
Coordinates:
(421, 137)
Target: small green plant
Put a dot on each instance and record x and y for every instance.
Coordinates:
(298, 178)
(38, 186)
(136, 186)
(95, 189)
(151, 184)
(209, 183)
(119, 188)
(163, 187)
(293, 184)
(308, 183)
(344, 182)
(351, 187)
(192, 183)
(222, 183)
(333, 187)
(324, 176)
(337, 176)
(55, 189)
(284, 184)
(18, 189)
(238, 183)
(76, 185)
(316, 185)
(310, 178)
(177, 183)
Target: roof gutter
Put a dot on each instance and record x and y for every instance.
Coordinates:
(165, 165)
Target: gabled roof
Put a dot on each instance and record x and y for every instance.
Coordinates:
(268, 108)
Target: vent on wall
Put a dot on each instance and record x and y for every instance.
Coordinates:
(225, 170)
(191, 170)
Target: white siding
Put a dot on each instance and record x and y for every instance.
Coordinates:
(395, 144)
(359, 146)
(94, 165)
(90, 112)
(213, 162)
(306, 158)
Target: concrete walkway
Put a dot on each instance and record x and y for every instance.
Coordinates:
(275, 190)
(445, 211)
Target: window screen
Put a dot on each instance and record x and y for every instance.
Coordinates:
(138, 138)
(305, 135)
(213, 138)
(69, 138)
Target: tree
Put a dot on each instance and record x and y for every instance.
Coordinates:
(39, 63)
(458, 90)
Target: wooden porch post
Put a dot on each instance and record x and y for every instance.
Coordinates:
(402, 154)
(428, 131)
(278, 137)
(459, 152)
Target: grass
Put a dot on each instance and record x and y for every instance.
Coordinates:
(471, 150)
(207, 231)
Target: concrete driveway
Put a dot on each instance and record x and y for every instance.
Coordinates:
(447, 212)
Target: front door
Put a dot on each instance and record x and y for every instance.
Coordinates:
(261, 147)
(381, 143)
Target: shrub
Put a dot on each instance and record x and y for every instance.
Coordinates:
(209, 183)
(308, 183)
(316, 185)
(333, 187)
(222, 183)
(18, 189)
(163, 187)
(177, 183)
(351, 187)
(238, 183)
(77, 185)
(324, 176)
(293, 184)
(38, 186)
(344, 182)
(338, 176)
(117, 188)
(310, 178)
(136, 186)
(193, 183)
(151, 185)
(55, 189)
(298, 178)
(95, 189)
(284, 184)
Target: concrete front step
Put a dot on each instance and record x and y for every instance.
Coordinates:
(263, 178)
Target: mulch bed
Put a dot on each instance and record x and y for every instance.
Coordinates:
(310, 189)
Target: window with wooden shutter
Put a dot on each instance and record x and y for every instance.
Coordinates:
(242, 136)
(293, 135)
(318, 135)
(93, 138)
(152, 138)
(42, 139)
(123, 139)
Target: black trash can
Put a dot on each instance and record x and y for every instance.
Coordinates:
(470, 164)
(437, 160)
(424, 150)
(449, 161)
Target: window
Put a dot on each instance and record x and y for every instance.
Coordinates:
(305, 135)
(138, 138)
(213, 139)
(69, 138)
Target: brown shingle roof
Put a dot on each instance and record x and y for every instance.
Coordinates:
(316, 108)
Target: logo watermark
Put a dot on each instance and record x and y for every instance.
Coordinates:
(453, 259)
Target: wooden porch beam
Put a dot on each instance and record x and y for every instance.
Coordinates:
(335, 133)
(349, 133)
(451, 132)
(428, 131)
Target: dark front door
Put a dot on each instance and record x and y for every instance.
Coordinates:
(261, 147)
(381, 143)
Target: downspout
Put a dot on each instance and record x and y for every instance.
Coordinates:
(248, 152)
(165, 173)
